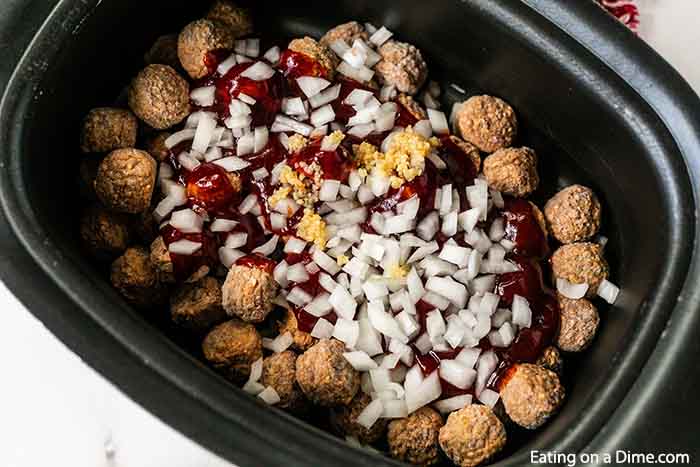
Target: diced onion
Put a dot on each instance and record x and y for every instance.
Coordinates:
(608, 291)
(184, 247)
(259, 71)
(323, 329)
(360, 360)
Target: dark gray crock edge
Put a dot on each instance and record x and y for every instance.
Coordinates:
(597, 40)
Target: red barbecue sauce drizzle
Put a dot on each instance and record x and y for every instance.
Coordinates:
(209, 190)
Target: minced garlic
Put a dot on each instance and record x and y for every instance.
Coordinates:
(403, 161)
(278, 195)
(296, 143)
(398, 271)
(312, 228)
(336, 137)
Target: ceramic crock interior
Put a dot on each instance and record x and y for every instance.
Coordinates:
(582, 133)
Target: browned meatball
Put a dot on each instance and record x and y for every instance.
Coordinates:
(106, 128)
(317, 52)
(348, 32)
(581, 263)
(487, 122)
(414, 439)
(197, 306)
(125, 180)
(325, 376)
(104, 233)
(531, 394)
(156, 147)
(160, 258)
(163, 51)
(573, 214)
(344, 420)
(199, 38)
(578, 324)
(231, 348)
(238, 20)
(402, 66)
(469, 151)
(512, 171)
(472, 435)
(249, 293)
(160, 96)
(135, 278)
(413, 107)
(551, 360)
(279, 371)
(302, 340)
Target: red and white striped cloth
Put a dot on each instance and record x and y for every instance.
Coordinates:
(624, 10)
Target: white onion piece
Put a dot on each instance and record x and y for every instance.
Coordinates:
(269, 396)
(385, 322)
(232, 163)
(489, 303)
(572, 291)
(187, 161)
(294, 245)
(323, 329)
(415, 285)
(259, 174)
(223, 225)
(370, 341)
(343, 303)
(380, 36)
(252, 47)
(283, 123)
(452, 404)
(457, 374)
(228, 256)
(322, 115)
(178, 137)
(325, 97)
(280, 273)
(261, 136)
(248, 203)
(203, 96)
(236, 240)
(259, 71)
(438, 122)
(272, 55)
(293, 106)
(522, 314)
(356, 268)
(468, 357)
(298, 296)
(355, 56)
(370, 414)
(280, 343)
(438, 301)
(375, 290)
(339, 46)
(387, 92)
(608, 291)
(428, 226)
(455, 331)
(455, 254)
(468, 219)
(485, 366)
(329, 190)
(226, 65)
(184, 247)
(268, 247)
(325, 262)
(450, 289)
(297, 273)
(423, 343)
(426, 392)
(394, 408)
(311, 85)
(435, 324)
(187, 221)
(361, 131)
(360, 361)
(253, 387)
(347, 331)
(488, 397)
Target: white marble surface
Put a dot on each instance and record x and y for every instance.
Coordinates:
(57, 411)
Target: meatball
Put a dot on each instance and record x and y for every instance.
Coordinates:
(106, 128)
(472, 435)
(573, 214)
(512, 171)
(160, 96)
(531, 394)
(156, 147)
(344, 420)
(125, 180)
(199, 38)
(231, 348)
(248, 292)
(551, 360)
(104, 233)
(402, 66)
(160, 258)
(302, 340)
(412, 107)
(325, 376)
(487, 122)
(470, 151)
(414, 439)
(579, 321)
(279, 371)
(319, 53)
(135, 278)
(163, 51)
(580, 263)
(197, 306)
(348, 32)
(238, 20)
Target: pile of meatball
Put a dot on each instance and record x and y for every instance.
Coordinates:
(231, 309)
